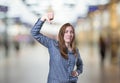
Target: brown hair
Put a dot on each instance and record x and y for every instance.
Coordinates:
(62, 46)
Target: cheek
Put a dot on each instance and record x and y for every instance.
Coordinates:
(72, 36)
(64, 37)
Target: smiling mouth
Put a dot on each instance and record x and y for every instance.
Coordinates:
(68, 38)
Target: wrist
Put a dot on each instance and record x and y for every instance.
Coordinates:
(42, 19)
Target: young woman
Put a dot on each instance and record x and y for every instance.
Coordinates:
(64, 56)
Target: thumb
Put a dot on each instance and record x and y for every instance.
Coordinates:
(48, 20)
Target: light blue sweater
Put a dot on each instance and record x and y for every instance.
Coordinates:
(59, 68)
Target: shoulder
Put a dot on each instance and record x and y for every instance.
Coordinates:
(54, 42)
(78, 52)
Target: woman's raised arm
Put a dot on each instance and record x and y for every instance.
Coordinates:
(35, 31)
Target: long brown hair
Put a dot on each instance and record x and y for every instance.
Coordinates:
(62, 46)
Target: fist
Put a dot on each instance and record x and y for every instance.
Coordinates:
(49, 16)
(74, 73)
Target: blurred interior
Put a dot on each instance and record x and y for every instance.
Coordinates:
(97, 25)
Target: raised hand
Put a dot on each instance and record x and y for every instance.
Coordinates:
(49, 17)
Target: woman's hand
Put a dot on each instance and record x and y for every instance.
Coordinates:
(74, 73)
(49, 17)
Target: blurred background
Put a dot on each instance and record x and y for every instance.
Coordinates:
(97, 25)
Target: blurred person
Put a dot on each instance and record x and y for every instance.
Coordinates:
(0, 40)
(102, 46)
(16, 44)
(6, 46)
(65, 61)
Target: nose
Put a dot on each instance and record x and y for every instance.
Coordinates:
(69, 33)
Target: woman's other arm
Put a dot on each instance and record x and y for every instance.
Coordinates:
(79, 64)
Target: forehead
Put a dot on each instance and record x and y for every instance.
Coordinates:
(69, 28)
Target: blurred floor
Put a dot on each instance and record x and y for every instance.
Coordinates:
(31, 66)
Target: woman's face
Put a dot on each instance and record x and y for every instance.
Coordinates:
(68, 35)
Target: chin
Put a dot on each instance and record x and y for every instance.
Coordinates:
(68, 41)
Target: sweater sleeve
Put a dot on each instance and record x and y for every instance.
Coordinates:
(35, 31)
(79, 64)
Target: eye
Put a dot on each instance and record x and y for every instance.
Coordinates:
(66, 31)
(71, 31)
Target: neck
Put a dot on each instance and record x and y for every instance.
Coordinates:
(68, 46)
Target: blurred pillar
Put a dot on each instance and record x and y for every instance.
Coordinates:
(6, 43)
(95, 21)
(114, 26)
(113, 15)
(4, 9)
(91, 37)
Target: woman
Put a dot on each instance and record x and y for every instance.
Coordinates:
(63, 54)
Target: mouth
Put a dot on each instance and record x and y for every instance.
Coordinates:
(68, 38)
